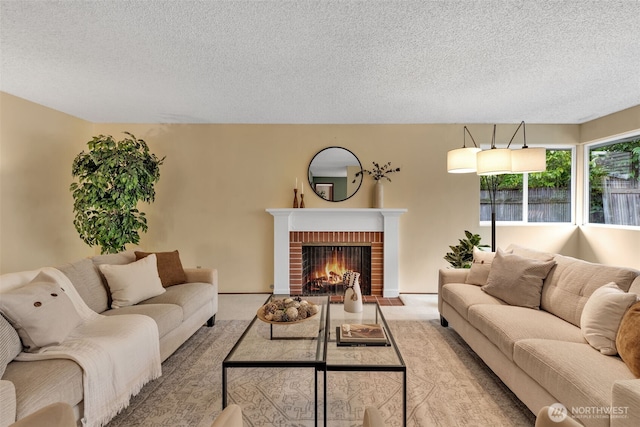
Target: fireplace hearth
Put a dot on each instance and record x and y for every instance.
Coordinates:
(324, 267)
(294, 227)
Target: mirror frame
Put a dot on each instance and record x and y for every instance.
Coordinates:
(312, 185)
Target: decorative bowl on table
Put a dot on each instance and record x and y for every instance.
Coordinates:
(287, 311)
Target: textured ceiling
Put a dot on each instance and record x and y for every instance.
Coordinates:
(323, 61)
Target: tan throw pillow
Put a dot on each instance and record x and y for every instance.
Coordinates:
(517, 280)
(480, 267)
(169, 267)
(601, 317)
(131, 283)
(41, 312)
(628, 339)
(529, 253)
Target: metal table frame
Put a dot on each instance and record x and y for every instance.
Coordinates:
(320, 364)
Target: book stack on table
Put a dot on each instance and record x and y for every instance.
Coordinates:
(353, 334)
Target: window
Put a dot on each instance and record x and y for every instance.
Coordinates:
(614, 182)
(548, 195)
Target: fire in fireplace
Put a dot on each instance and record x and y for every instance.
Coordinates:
(324, 265)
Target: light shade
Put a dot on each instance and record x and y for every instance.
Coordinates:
(495, 161)
(529, 160)
(462, 160)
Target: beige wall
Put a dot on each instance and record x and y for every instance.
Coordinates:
(37, 147)
(603, 243)
(218, 180)
(614, 124)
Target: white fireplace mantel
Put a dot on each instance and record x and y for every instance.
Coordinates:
(385, 220)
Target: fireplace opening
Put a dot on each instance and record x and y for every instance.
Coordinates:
(323, 267)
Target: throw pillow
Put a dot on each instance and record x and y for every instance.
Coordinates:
(41, 312)
(480, 267)
(628, 338)
(517, 280)
(169, 267)
(529, 253)
(131, 283)
(601, 317)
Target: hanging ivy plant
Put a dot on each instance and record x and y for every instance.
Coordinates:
(112, 178)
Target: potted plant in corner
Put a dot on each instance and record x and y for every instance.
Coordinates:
(112, 178)
(378, 173)
(461, 255)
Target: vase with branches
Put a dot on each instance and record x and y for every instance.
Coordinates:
(378, 173)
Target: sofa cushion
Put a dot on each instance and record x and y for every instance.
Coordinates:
(38, 383)
(189, 296)
(601, 317)
(86, 278)
(517, 280)
(462, 296)
(121, 258)
(576, 374)
(480, 267)
(10, 344)
(41, 312)
(635, 286)
(529, 253)
(131, 283)
(167, 316)
(572, 281)
(504, 325)
(169, 267)
(628, 339)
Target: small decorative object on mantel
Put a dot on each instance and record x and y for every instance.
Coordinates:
(302, 196)
(352, 293)
(287, 310)
(295, 195)
(378, 173)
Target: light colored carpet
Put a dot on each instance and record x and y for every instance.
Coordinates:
(448, 385)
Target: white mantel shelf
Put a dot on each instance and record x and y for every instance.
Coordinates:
(313, 219)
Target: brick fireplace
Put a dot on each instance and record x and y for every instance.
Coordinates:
(373, 239)
(294, 228)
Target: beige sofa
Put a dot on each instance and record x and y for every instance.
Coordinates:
(541, 354)
(179, 312)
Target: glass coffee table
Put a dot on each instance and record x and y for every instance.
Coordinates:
(312, 344)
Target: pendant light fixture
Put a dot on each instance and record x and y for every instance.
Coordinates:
(463, 160)
(496, 161)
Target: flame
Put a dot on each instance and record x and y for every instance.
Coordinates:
(333, 271)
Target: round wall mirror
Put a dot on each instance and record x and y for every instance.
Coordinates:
(332, 172)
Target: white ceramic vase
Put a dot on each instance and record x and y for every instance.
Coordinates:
(352, 295)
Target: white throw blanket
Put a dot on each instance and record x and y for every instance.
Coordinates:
(118, 354)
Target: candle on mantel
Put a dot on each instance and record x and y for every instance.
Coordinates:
(302, 188)
(296, 187)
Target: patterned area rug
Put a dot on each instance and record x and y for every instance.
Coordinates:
(448, 385)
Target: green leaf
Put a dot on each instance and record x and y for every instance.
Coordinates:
(461, 256)
(108, 188)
